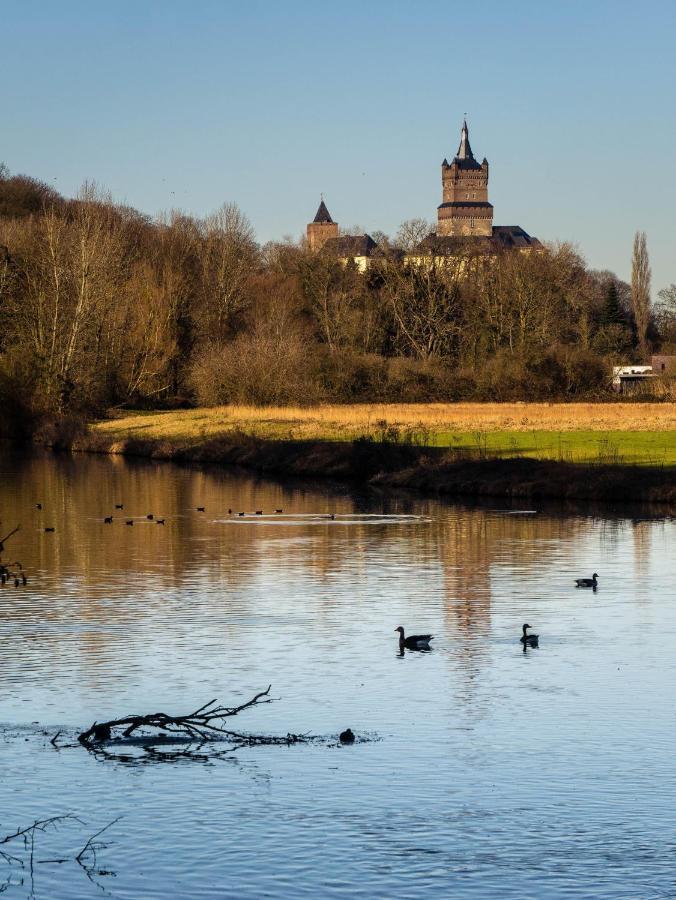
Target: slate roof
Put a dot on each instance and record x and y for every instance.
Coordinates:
(514, 237)
(464, 158)
(471, 204)
(504, 237)
(464, 150)
(323, 215)
(350, 245)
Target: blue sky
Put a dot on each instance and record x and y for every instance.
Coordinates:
(188, 104)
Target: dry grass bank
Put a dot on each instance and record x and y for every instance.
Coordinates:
(358, 419)
(620, 432)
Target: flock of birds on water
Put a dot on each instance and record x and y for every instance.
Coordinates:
(422, 641)
(419, 642)
(14, 571)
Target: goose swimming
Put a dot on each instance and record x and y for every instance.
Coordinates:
(413, 641)
(587, 582)
(529, 640)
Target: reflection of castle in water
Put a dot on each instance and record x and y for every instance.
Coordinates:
(200, 565)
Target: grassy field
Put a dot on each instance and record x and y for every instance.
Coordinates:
(642, 433)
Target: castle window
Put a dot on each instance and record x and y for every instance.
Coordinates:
(471, 222)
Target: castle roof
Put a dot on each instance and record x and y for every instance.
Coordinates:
(464, 158)
(504, 237)
(464, 150)
(351, 245)
(323, 215)
(514, 237)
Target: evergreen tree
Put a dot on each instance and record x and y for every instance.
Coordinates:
(612, 312)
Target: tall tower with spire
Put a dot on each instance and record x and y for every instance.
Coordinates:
(465, 210)
(321, 228)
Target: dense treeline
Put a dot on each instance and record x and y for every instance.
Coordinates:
(100, 306)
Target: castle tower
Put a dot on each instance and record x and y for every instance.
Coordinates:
(465, 210)
(321, 228)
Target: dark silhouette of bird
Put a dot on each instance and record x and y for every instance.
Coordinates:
(200, 509)
(48, 529)
(129, 522)
(150, 516)
(159, 521)
(241, 514)
(259, 512)
(108, 520)
(529, 640)
(347, 736)
(587, 582)
(414, 641)
(279, 511)
(229, 512)
(38, 505)
(119, 506)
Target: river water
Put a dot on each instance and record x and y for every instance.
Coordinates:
(480, 771)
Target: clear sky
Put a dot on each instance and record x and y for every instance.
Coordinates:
(188, 104)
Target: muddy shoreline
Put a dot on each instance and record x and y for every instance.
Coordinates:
(426, 470)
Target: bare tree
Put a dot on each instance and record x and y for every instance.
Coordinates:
(411, 233)
(640, 290)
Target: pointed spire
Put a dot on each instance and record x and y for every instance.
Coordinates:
(323, 215)
(464, 150)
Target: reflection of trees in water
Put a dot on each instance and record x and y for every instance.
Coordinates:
(123, 579)
(642, 539)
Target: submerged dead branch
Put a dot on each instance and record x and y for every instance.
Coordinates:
(203, 723)
(86, 858)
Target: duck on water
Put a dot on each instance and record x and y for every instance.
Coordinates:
(414, 641)
(587, 582)
(529, 640)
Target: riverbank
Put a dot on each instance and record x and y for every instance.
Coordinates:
(642, 433)
(431, 470)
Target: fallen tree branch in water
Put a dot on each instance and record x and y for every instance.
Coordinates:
(198, 724)
(201, 735)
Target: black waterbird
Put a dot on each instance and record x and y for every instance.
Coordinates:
(108, 520)
(529, 640)
(347, 736)
(587, 582)
(413, 641)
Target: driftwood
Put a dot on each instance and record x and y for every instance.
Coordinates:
(199, 736)
(206, 722)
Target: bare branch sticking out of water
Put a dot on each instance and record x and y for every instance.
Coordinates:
(7, 537)
(86, 858)
(199, 725)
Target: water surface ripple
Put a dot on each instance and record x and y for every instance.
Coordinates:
(487, 772)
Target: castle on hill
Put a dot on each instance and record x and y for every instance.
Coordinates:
(464, 217)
